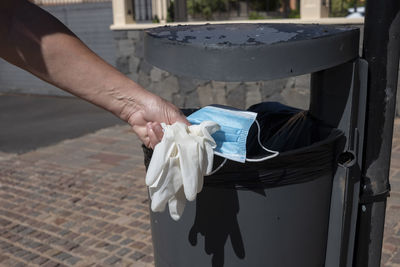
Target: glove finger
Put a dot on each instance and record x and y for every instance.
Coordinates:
(177, 204)
(208, 128)
(160, 157)
(207, 145)
(171, 183)
(189, 163)
(155, 133)
(209, 152)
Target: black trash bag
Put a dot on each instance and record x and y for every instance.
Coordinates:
(306, 150)
(283, 128)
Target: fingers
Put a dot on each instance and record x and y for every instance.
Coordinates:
(151, 134)
(146, 122)
(155, 133)
(177, 115)
(183, 119)
(141, 132)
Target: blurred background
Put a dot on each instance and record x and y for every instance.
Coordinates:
(200, 10)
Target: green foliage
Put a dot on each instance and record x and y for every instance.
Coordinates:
(207, 7)
(156, 19)
(255, 15)
(294, 14)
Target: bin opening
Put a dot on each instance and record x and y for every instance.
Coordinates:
(283, 128)
(307, 149)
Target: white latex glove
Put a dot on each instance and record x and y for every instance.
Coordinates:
(178, 165)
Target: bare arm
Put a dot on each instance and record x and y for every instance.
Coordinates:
(34, 40)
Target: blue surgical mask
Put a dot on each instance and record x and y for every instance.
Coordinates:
(231, 138)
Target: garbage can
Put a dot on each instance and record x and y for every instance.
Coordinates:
(274, 213)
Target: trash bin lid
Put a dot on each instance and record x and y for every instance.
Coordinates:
(249, 52)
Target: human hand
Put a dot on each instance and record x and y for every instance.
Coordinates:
(150, 112)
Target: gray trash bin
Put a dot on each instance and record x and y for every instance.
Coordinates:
(272, 213)
(261, 222)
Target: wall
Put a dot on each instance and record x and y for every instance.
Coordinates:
(186, 92)
(90, 22)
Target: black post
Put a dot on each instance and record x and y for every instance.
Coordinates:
(381, 49)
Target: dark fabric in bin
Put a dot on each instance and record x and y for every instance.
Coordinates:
(306, 146)
(283, 128)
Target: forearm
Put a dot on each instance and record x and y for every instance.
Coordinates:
(37, 42)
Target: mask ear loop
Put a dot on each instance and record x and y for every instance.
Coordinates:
(218, 168)
(274, 153)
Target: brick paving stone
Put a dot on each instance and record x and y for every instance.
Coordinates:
(61, 256)
(112, 260)
(148, 259)
(147, 250)
(95, 232)
(115, 238)
(90, 242)
(104, 235)
(85, 229)
(70, 246)
(126, 241)
(138, 245)
(81, 239)
(72, 260)
(50, 263)
(122, 252)
(21, 253)
(137, 255)
(39, 260)
(111, 248)
(20, 264)
(30, 256)
(101, 255)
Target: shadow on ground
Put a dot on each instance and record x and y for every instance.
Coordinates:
(29, 122)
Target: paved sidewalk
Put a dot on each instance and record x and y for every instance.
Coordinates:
(83, 202)
(391, 242)
(41, 121)
(77, 203)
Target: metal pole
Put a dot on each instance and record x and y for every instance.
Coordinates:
(381, 49)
